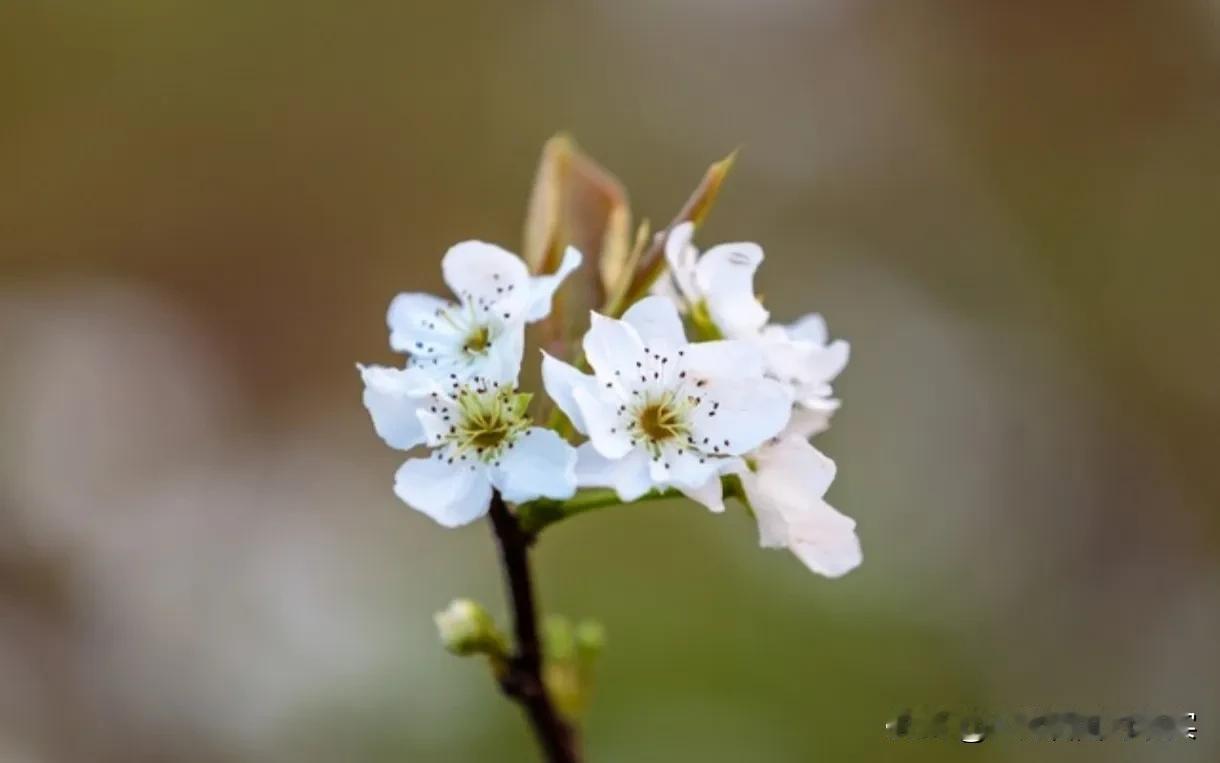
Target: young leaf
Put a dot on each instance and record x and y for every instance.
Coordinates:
(577, 202)
(696, 208)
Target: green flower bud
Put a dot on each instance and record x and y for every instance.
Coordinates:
(465, 628)
(558, 639)
(590, 640)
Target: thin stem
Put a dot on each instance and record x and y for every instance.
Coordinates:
(523, 678)
(535, 516)
(538, 515)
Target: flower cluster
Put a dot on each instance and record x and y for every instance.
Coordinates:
(457, 393)
(786, 478)
(659, 413)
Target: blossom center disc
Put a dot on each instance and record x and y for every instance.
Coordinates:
(489, 436)
(489, 419)
(660, 421)
(478, 340)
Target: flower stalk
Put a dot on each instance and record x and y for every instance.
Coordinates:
(523, 680)
(535, 516)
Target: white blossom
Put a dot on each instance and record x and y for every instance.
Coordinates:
(785, 479)
(720, 281)
(720, 284)
(786, 487)
(660, 412)
(482, 440)
(483, 333)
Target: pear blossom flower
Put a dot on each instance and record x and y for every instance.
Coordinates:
(785, 478)
(786, 487)
(481, 439)
(482, 335)
(720, 281)
(661, 412)
(720, 284)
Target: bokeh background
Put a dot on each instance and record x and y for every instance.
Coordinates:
(1012, 210)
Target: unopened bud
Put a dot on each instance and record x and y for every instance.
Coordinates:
(590, 639)
(571, 651)
(465, 628)
(559, 642)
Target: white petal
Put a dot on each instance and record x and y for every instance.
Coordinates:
(560, 381)
(657, 321)
(690, 473)
(658, 471)
(787, 359)
(628, 475)
(807, 422)
(825, 541)
(785, 490)
(750, 412)
(710, 494)
(772, 524)
(834, 359)
(700, 480)
(727, 358)
(800, 353)
(822, 366)
(611, 346)
(434, 424)
(484, 275)
(414, 327)
(540, 463)
(452, 494)
(792, 471)
(688, 469)
(542, 288)
(807, 370)
(392, 396)
(810, 328)
(602, 422)
(725, 276)
(677, 242)
(502, 361)
(682, 257)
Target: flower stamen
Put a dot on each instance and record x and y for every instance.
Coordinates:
(487, 421)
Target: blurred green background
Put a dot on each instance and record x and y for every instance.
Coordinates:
(1012, 211)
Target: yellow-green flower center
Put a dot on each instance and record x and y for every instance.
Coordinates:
(659, 422)
(661, 419)
(488, 421)
(478, 340)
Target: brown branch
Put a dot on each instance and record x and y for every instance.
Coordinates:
(522, 680)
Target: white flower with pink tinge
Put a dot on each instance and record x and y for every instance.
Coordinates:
(785, 485)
